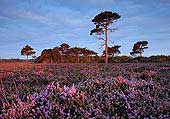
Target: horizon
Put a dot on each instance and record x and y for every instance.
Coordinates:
(46, 24)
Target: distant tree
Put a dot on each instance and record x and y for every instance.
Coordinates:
(27, 50)
(159, 58)
(87, 54)
(125, 58)
(112, 51)
(76, 52)
(34, 57)
(102, 22)
(47, 54)
(64, 47)
(139, 47)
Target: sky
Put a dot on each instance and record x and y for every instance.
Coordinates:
(46, 24)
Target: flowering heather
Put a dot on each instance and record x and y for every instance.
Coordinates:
(87, 91)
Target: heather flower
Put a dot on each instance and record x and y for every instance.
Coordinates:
(82, 94)
(97, 82)
(120, 79)
(60, 89)
(97, 93)
(72, 90)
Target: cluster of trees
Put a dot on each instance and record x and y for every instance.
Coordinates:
(64, 53)
(102, 22)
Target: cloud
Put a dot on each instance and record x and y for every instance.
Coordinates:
(32, 16)
(84, 5)
(48, 23)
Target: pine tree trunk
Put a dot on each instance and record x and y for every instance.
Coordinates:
(140, 54)
(106, 44)
(27, 59)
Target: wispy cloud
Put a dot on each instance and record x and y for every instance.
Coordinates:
(48, 23)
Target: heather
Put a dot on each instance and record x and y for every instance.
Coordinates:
(126, 90)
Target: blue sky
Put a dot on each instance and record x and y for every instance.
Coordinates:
(48, 23)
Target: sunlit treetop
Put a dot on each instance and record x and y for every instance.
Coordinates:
(64, 46)
(105, 18)
(102, 20)
(27, 50)
(139, 47)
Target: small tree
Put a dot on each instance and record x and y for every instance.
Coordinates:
(34, 57)
(112, 51)
(139, 47)
(27, 50)
(88, 54)
(102, 22)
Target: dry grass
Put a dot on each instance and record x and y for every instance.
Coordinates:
(8, 68)
(13, 66)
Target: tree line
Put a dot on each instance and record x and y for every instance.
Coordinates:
(64, 53)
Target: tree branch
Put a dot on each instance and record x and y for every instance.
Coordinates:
(102, 45)
(99, 38)
(111, 41)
